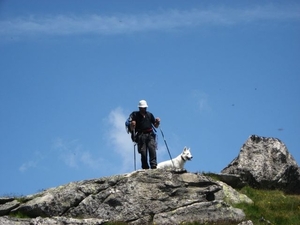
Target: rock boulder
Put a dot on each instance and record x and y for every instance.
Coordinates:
(141, 197)
(266, 163)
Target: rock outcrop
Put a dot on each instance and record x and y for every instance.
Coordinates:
(141, 197)
(265, 163)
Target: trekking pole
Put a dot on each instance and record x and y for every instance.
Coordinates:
(134, 157)
(162, 134)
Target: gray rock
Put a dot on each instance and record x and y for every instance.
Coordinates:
(232, 196)
(6, 199)
(202, 212)
(266, 163)
(141, 197)
(5, 220)
(248, 222)
(49, 221)
(8, 206)
(233, 180)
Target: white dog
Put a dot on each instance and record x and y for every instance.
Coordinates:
(178, 162)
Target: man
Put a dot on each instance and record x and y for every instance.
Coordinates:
(141, 123)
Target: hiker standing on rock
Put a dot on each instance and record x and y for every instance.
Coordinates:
(141, 126)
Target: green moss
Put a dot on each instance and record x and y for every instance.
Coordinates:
(22, 199)
(18, 215)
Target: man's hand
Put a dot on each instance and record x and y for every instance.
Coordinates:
(157, 122)
(132, 124)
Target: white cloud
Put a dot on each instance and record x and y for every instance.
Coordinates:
(73, 154)
(27, 165)
(33, 163)
(201, 100)
(154, 21)
(68, 151)
(88, 159)
(120, 140)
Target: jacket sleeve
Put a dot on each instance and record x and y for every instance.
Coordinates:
(132, 116)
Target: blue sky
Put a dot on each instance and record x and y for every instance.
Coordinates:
(72, 71)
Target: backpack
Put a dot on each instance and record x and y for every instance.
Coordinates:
(128, 127)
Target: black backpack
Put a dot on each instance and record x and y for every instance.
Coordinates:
(128, 128)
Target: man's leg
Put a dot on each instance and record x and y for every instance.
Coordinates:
(142, 148)
(152, 152)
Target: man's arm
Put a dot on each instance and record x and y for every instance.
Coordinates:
(133, 124)
(133, 121)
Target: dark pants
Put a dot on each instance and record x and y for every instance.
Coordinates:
(147, 143)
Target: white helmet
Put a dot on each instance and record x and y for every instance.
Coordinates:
(142, 104)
